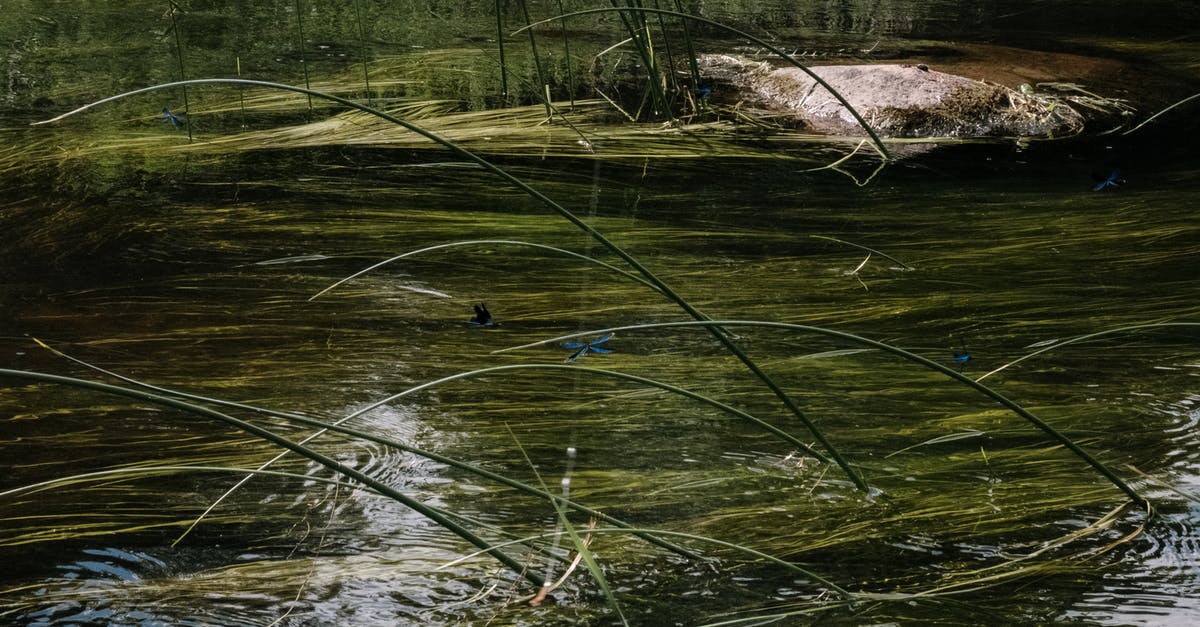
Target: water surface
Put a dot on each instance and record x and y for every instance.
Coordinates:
(192, 268)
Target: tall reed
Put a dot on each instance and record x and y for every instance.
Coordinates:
(301, 46)
(338, 426)
(500, 46)
(363, 50)
(543, 89)
(173, 11)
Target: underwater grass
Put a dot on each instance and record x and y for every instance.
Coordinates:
(943, 512)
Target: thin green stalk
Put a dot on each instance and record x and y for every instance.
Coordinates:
(567, 58)
(537, 62)
(173, 9)
(716, 331)
(913, 357)
(581, 546)
(270, 436)
(639, 33)
(300, 49)
(500, 44)
(41, 486)
(670, 75)
(833, 587)
(1153, 117)
(861, 247)
(790, 439)
(883, 151)
(362, 46)
(155, 471)
(693, 67)
(552, 249)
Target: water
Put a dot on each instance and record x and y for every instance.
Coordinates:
(193, 270)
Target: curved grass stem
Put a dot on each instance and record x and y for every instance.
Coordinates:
(789, 438)
(861, 247)
(479, 242)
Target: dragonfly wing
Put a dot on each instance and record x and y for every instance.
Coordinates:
(602, 351)
(602, 340)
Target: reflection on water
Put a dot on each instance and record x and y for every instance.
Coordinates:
(198, 274)
(1005, 265)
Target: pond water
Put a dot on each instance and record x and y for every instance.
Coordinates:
(198, 266)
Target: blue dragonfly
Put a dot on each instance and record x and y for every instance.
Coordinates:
(960, 358)
(174, 119)
(583, 348)
(1114, 179)
(482, 317)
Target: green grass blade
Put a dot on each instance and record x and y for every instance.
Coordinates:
(861, 247)
(606, 373)
(543, 84)
(581, 546)
(61, 482)
(842, 592)
(1153, 117)
(484, 242)
(500, 44)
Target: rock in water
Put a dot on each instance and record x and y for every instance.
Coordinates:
(896, 100)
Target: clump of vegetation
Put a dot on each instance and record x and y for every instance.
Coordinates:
(981, 489)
